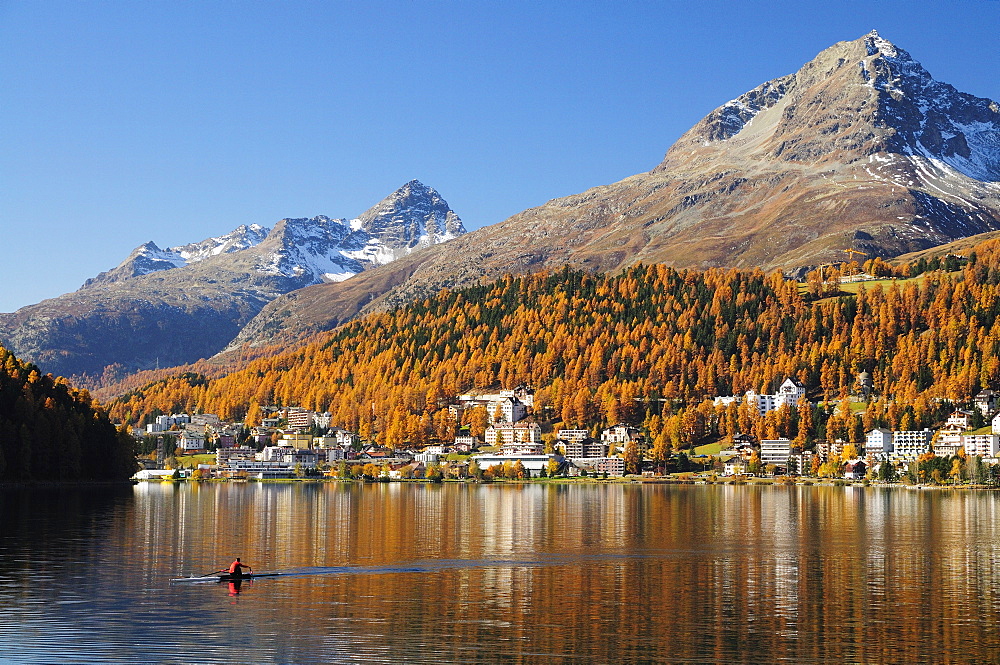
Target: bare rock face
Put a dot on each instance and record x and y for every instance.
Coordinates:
(413, 216)
(164, 307)
(860, 149)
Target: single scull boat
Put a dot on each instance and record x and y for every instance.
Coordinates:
(226, 577)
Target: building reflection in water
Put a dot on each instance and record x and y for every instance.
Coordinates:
(612, 573)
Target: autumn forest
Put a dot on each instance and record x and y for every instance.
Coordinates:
(650, 346)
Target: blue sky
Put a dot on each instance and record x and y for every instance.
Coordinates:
(123, 122)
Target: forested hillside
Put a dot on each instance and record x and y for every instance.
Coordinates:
(601, 349)
(49, 431)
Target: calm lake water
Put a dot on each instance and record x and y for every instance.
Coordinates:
(513, 574)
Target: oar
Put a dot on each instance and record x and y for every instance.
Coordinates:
(215, 572)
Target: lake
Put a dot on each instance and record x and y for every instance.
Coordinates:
(587, 573)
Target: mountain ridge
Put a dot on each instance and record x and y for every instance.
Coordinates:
(174, 306)
(859, 149)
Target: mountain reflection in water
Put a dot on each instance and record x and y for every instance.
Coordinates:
(523, 573)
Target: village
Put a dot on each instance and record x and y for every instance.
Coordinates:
(293, 442)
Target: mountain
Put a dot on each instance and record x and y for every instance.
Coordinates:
(162, 307)
(860, 149)
(148, 258)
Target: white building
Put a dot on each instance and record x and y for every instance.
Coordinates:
(299, 418)
(947, 444)
(223, 456)
(532, 463)
(344, 437)
(498, 434)
(522, 448)
(466, 442)
(986, 402)
(878, 441)
(509, 405)
(619, 435)
(789, 392)
(191, 440)
(572, 435)
(164, 423)
(586, 448)
(911, 443)
(734, 467)
(511, 409)
(800, 463)
(983, 445)
(334, 454)
(613, 466)
(959, 420)
(775, 451)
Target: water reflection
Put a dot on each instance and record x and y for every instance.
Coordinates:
(601, 573)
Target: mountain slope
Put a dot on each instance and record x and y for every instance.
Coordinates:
(168, 307)
(860, 149)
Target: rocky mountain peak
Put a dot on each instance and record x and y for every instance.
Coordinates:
(855, 100)
(413, 216)
(875, 43)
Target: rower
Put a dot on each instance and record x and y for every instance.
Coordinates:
(236, 568)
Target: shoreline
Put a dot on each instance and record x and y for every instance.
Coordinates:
(808, 482)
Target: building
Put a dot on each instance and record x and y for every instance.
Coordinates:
(911, 443)
(947, 443)
(864, 385)
(986, 402)
(532, 463)
(332, 455)
(800, 463)
(855, 469)
(191, 441)
(224, 455)
(464, 442)
(587, 448)
(983, 445)
(613, 466)
(619, 435)
(510, 409)
(775, 451)
(166, 423)
(509, 406)
(293, 439)
(522, 448)
(959, 420)
(789, 392)
(827, 449)
(205, 419)
(879, 440)
(734, 467)
(572, 435)
(498, 434)
(299, 418)
(343, 436)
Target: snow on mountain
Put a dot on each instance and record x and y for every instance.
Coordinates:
(412, 217)
(313, 250)
(243, 237)
(322, 249)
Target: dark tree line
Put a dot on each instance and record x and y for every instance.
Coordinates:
(50, 431)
